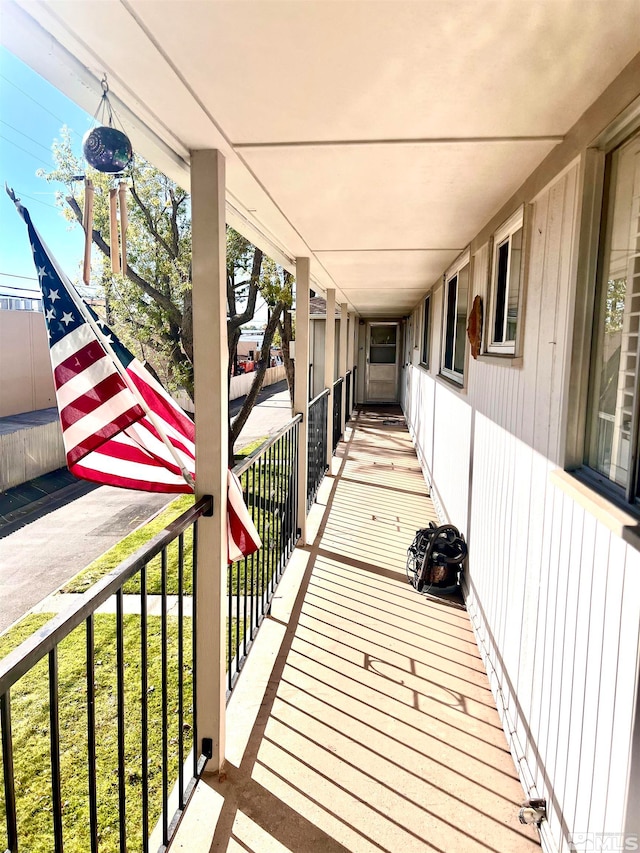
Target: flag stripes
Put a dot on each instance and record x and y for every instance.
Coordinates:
(119, 425)
(242, 536)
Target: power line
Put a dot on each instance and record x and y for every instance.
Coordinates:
(26, 136)
(13, 275)
(37, 200)
(24, 150)
(42, 106)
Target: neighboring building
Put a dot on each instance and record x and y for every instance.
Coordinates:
(19, 299)
(250, 351)
(26, 383)
(30, 435)
(318, 320)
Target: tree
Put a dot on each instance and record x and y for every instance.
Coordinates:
(275, 285)
(286, 331)
(150, 307)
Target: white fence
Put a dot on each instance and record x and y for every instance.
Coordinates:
(30, 451)
(240, 386)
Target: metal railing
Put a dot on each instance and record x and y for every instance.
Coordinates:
(347, 396)
(316, 444)
(121, 703)
(337, 412)
(270, 486)
(354, 387)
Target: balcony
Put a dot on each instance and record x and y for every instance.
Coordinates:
(361, 719)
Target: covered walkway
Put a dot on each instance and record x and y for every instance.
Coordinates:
(363, 720)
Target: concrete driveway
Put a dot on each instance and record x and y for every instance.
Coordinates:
(51, 547)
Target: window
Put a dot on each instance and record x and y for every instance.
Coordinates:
(506, 285)
(456, 296)
(426, 331)
(613, 417)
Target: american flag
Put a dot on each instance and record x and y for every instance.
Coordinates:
(107, 429)
(119, 425)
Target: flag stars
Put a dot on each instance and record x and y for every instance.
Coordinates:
(53, 295)
(67, 318)
(50, 315)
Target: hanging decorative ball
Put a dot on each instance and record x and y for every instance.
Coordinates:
(107, 149)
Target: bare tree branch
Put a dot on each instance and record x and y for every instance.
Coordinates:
(240, 420)
(236, 321)
(175, 206)
(173, 254)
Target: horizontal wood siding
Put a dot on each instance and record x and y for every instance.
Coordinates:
(553, 594)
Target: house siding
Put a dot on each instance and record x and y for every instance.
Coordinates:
(553, 594)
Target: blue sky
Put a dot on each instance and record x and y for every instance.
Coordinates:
(32, 112)
(31, 115)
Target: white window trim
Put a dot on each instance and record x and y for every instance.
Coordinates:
(506, 230)
(454, 269)
(426, 321)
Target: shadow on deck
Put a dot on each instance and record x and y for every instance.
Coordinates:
(363, 720)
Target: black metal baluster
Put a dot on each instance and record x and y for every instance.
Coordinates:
(144, 713)
(91, 734)
(255, 557)
(122, 813)
(165, 699)
(245, 566)
(325, 436)
(7, 772)
(194, 657)
(230, 646)
(264, 483)
(280, 495)
(296, 486)
(54, 725)
(180, 671)
(290, 531)
(237, 645)
(270, 523)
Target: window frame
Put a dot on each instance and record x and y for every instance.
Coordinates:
(425, 342)
(463, 260)
(604, 167)
(505, 233)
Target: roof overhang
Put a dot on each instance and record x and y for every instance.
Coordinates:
(375, 138)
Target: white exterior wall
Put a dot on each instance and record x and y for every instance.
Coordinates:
(553, 594)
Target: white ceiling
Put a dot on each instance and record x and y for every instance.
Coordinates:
(377, 137)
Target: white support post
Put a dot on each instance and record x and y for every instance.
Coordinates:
(329, 366)
(344, 319)
(350, 358)
(353, 325)
(353, 328)
(301, 389)
(211, 399)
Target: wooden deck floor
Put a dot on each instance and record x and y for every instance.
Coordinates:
(364, 719)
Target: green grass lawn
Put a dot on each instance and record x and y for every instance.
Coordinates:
(30, 700)
(30, 718)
